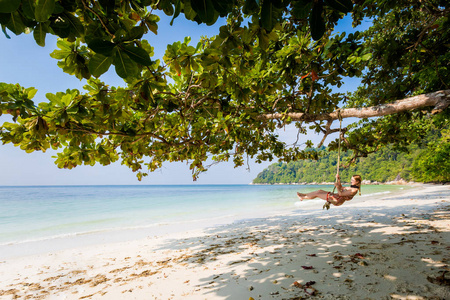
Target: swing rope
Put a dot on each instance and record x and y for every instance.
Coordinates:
(327, 204)
(339, 148)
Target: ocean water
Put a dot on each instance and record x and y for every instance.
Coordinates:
(45, 213)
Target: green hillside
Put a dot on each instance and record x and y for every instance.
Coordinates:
(427, 162)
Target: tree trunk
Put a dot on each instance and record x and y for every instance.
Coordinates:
(440, 100)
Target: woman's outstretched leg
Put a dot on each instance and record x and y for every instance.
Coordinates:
(316, 194)
(319, 194)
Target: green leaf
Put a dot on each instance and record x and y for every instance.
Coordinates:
(344, 6)
(366, 56)
(66, 100)
(204, 9)
(4, 31)
(189, 12)
(351, 59)
(4, 18)
(101, 46)
(59, 9)
(152, 24)
(125, 66)
(223, 7)
(108, 5)
(316, 21)
(166, 7)
(301, 9)
(263, 39)
(9, 6)
(44, 10)
(177, 11)
(39, 34)
(31, 92)
(99, 64)
(136, 33)
(60, 27)
(66, 49)
(15, 24)
(75, 24)
(28, 8)
(250, 7)
(267, 15)
(137, 54)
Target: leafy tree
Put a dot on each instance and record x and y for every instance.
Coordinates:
(433, 165)
(424, 161)
(272, 65)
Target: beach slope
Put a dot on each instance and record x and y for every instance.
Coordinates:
(386, 247)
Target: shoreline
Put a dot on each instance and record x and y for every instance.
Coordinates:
(76, 239)
(389, 247)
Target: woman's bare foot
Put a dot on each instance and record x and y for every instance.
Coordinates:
(300, 196)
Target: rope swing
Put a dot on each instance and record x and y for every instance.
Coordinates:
(327, 204)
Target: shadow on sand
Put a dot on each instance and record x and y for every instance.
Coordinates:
(343, 253)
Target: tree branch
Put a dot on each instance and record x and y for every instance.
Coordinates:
(327, 132)
(440, 100)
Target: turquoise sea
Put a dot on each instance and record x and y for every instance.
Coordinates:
(44, 213)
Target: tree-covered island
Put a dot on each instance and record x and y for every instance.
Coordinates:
(426, 163)
(273, 64)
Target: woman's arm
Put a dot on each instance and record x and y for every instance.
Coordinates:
(344, 191)
(347, 192)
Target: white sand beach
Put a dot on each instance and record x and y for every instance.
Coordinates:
(387, 247)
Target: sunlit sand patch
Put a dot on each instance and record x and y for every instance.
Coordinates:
(434, 263)
(407, 297)
(390, 277)
(395, 230)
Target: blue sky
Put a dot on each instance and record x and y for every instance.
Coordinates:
(24, 62)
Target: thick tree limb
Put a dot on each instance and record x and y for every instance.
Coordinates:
(440, 100)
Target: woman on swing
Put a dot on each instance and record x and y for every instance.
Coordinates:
(342, 195)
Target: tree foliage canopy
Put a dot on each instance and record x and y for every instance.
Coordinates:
(273, 64)
(426, 161)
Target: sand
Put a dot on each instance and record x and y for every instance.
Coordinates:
(387, 247)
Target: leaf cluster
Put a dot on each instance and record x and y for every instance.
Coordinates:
(112, 30)
(207, 102)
